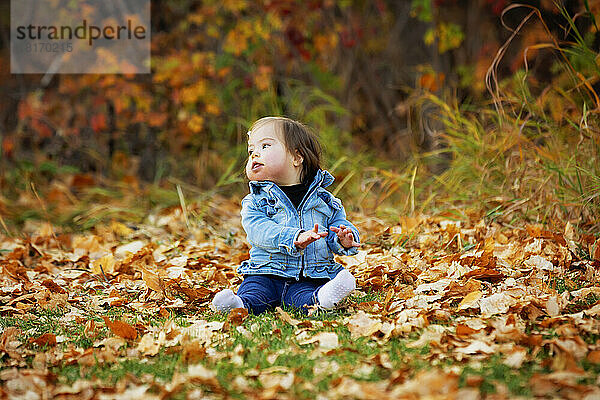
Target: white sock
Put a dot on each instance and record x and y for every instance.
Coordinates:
(226, 301)
(336, 290)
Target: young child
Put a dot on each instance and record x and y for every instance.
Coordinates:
(292, 223)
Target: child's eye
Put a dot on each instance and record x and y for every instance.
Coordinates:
(265, 145)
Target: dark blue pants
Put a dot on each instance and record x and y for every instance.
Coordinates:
(265, 292)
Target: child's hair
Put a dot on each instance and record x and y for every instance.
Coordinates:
(297, 136)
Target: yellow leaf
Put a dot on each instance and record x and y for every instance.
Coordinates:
(471, 300)
(120, 229)
(196, 123)
(235, 42)
(148, 346)
(262, 79)
(105, 264)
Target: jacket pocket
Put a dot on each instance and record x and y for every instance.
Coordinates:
(273, 209)
(321, 212)
(330, 200)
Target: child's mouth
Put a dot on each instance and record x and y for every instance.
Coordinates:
(256, 166)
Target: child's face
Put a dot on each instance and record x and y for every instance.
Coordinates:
(268, 158)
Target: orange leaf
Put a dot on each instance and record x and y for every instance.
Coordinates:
(594, 356)
(464, 330)
(286, 317)
(47, 339)
(157, 119)
(98, 122)
(8, 145)
(121, 328)
(16, 270)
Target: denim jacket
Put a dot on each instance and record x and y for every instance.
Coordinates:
(272, 224)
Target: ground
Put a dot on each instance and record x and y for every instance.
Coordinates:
(455, 305)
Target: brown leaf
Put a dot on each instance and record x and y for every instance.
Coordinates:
(200, 293)
(474, 380)
(237, 316)
(53, 287)
(193, 352)
(47, 339)
(15, 270)
(121, 328)
(597, 250)
(90, 329)
(152, 280)
(361, 324)
(9, 342)
(486, 274)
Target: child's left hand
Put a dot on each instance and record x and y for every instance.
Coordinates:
(345, 235)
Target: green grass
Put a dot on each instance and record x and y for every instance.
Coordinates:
(494, 372)
(267, 341)
(162, 367)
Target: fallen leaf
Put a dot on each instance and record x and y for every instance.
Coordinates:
(121, 328)
(286, 317)
(486, 274)
(276, 380)
(198, 373)
(470, 301)
(361, 324)
(129, 248)
(498, 303)
(594, 356)
(476, 346)
(237, 316)
(104, 265)
(541, 263)
(53, 287)
(515, 358)
(148, 346)
(47, 339)
(552, 306)
(152, 280)
(327, 340)
(464, 330)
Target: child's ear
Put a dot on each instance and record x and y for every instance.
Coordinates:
(298, 159)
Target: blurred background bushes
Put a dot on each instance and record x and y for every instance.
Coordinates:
(420, 104)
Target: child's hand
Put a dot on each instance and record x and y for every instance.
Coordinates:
(307, 237)
(345, 235)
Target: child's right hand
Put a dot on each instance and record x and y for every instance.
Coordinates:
(307, 237)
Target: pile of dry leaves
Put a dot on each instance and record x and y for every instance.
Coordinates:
(466, 288)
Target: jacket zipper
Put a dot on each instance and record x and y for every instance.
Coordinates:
(299, 212)
(302, 259)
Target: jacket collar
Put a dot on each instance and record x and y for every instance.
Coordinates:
(322, 178)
